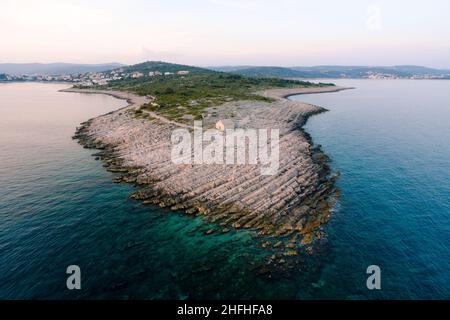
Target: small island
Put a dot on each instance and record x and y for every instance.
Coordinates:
(286, 208)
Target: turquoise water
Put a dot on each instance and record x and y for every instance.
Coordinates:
(58, 206)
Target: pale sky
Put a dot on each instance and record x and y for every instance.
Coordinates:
(227, 32)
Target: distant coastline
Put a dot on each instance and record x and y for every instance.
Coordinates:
(96, 74)
(340, 72)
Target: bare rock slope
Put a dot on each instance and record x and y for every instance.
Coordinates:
(293, 203)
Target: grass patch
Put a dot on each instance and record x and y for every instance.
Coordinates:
(177, 96)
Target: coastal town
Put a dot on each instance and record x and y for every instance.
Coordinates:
(388, 76)
(102, 78)
(91, 79)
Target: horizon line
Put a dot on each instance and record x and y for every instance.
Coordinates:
(233, 65)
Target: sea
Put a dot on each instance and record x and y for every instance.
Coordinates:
(389, 141)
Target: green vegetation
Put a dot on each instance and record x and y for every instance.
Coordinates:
(277, 72)
(182, 96)
(161, 66)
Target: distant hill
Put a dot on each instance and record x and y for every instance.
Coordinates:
(54, 68)
(162, 67)
(404, 71)
(266, 72)
(228, 68)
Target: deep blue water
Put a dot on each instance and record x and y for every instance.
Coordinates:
(58, 206)
(391, 142)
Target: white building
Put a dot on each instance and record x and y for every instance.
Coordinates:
(137, 75)
(225, 124)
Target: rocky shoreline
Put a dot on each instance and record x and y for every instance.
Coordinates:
(287, 209)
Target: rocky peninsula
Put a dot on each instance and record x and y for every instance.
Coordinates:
(291, 204)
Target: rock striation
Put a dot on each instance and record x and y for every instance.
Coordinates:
(292, 204)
